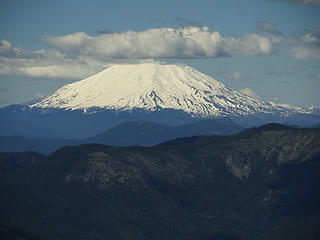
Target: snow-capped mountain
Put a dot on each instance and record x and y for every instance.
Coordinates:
(166, 94)
(155, 86)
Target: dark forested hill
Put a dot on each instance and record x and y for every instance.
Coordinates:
(259, 184)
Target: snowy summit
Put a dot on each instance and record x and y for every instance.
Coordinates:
(155, 86)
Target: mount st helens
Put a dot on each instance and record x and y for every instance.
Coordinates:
(163, 93)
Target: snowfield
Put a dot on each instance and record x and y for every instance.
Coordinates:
(154, 86)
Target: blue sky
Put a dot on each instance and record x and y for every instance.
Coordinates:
(266, 48)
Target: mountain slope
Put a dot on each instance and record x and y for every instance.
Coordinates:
(40, 145)
(137, 133)
(153, 86)
(245, 186)
(166, 94)
(131, 133)
(317, 125)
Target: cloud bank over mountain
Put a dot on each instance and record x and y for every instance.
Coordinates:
(189, 42)
(80, 55)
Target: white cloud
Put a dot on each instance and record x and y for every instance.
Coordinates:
(307, 46)
(79, 55)
(310, 38)
(232, 75)
(7, 50)
(70, 42)
(51, 64)
(189, 42)
(248, 45)
(268, 28)
(306, 52)
(316, 2)
(249, 92)
(55, 71)
(39, 95)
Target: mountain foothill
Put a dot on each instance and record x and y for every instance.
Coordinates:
(158, 151)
